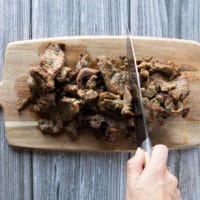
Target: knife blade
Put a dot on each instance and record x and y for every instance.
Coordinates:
(141, 130)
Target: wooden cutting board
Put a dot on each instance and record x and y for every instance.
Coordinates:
(21, 128)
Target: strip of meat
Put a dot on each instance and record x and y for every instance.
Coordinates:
(181, 91)
(64, 74)
(108, 103)
(45, 103)
(114, 78)
(127, 103)
(52, 59)
(51, 126)
(83, 62)
(69, 108)
(72, 130)
(99, 97)
(83, 76)
(42, 78)
(88, 96)
(168, 68)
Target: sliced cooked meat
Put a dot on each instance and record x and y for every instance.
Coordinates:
(181, 91)
(71, 90)
(107, 69)
(168, 68)
(64, 74)
(69, 98)
(144, 74)
(83, 62)
(92, 82)
(117, 83)
(69, 108)
(114, 78)
(51, 126)
(108, 102)
(167, 86)
(145, 66)
(45, 103)
(42, 78)
(108, 95)
(88, 96)
(96, 121)
(149, 92)
(127, 103)
(84, 75)
(22, 103)
(52, 59)
(108, 105)
(72, 130)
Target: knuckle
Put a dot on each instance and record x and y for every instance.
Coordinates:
(178, 194)
(160, 169)
(174, 180)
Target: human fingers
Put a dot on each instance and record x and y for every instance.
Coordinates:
(158, 158)
(135, 164)
(178, 194)
(172, 180)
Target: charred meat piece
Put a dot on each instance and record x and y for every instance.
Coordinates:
(149, 92)
(107, 69)
(84, 75)
(145, 66)
(64, 74)
(181, 91)
(96, 121)
(83, 62)
(69, 108)
(114, 78)
(45, 103)
(105, 127)
(167, 86)
(42, 78)
(108, 102)
(70, 90)
(144, 75)
(22, 103)
(127, 103)
(72, 130)
(51, 126)
(121, 62)
(52, 59)
(88, 96)
(92, 82)
(108, 95)
(115, 128)
(168, 68)
(96, 94)
(117, 83)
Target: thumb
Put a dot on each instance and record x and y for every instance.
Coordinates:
(135, 165)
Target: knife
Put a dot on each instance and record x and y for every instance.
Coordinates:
(141, 130)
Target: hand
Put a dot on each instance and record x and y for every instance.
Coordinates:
(154, 182)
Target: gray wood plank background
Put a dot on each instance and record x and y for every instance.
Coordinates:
(39, 175)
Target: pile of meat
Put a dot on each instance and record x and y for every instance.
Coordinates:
(95, 93)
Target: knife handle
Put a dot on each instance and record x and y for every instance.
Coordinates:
(147, 147)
